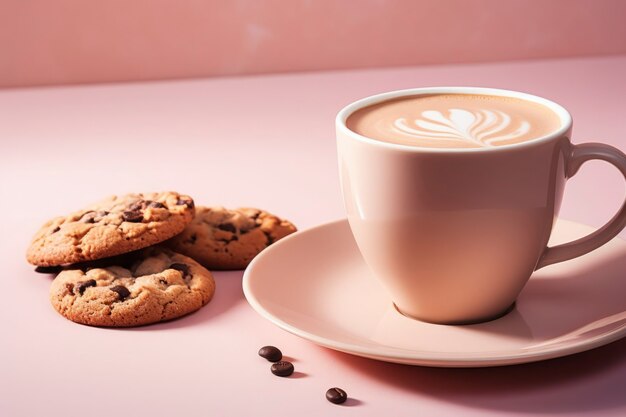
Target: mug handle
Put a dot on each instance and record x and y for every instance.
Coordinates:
(579, 155)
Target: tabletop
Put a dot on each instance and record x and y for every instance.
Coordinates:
(268, 142)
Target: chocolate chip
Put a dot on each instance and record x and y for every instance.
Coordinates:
(48, 269)
(227, 227)
(132, 216)
(233, 238)
(183, 268)
(69, 288)
(88, 217)
(137, 205)
(121, 291)
(282, 368)
(164, 282)
(185, 201)
(156, 204)
(269, 237)
(82, 286)
(336, 395)
(246, 228)
(56, 229)
(271, 353)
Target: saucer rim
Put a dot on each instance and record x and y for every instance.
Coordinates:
(418, 357)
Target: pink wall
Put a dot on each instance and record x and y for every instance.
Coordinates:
(79, 41)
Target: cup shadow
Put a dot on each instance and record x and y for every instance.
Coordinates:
(589, 381)
(549, 387)
(585, 300)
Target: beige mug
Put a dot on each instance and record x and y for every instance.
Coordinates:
(454, 234)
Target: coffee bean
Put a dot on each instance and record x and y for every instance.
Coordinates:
(132, 216)
(155, 204)
(282, 368)
(82, 286)
(185, 201)
(121, 291)
(183, 268)
(271, 353)
(48, 269)
(336, 395)
(227, 227)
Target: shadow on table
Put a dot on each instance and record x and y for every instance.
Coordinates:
(588, 300)
(564, 385)
(581, 382)
(228, 294)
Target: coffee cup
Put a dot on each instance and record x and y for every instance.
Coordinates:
(452, 192)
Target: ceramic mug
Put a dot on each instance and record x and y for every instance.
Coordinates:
(454, 234)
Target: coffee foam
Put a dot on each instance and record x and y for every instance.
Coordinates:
(454, 121)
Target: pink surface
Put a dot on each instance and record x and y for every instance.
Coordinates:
(264, 141)
(73, 41)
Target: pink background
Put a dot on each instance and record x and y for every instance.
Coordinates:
(61, 148)
(75, 41)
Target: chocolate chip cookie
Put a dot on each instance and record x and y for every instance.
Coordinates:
(159, 285)
(219, 238)
(111, 227)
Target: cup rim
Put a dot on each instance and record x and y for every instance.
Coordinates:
(344, 113)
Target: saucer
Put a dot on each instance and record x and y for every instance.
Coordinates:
(315, 285)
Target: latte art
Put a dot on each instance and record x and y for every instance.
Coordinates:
(480, 127)
(454, 121)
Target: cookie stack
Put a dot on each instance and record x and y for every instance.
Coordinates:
(143, 258)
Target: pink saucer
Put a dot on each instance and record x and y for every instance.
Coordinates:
(315, 285)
